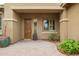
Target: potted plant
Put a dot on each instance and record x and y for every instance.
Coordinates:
(4, 41)
(35, 32)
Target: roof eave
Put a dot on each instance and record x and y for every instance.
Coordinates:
(63, 4)
(1, 6)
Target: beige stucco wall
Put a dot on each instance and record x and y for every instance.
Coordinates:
(12, 22)
(73, 24)
(50, 6)
(40, 17)
(8, 21)
(69, 22)
(16, 27)
(63, 24)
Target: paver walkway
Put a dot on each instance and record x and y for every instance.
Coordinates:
(31, 48)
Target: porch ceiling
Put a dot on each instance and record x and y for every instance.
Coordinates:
(38, 10)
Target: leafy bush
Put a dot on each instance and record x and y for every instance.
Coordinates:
(4, 42)
(54, 36)
(69, 46)
(76, 45)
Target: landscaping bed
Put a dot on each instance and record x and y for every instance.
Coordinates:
(67, 46)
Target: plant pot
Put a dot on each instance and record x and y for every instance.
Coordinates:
(35, 36)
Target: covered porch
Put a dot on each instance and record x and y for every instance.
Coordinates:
(20, 19)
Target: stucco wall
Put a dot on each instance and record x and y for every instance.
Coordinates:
(16, 27)
(40, 17)
(73, 24)
(63, 24)
(8, 22)
(12, 23)
(69, 22)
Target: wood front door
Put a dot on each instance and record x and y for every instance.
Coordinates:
(27, 28)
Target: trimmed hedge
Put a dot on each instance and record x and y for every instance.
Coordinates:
(4, 42)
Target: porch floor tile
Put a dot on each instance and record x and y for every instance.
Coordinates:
(31, 48)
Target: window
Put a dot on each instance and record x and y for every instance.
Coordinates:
(46, 25)
(49, 25)
(0, 22)
(52, 25)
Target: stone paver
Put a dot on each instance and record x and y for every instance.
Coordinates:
(31, 48)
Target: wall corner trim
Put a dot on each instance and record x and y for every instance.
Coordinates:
(11, 20)
(64, 20)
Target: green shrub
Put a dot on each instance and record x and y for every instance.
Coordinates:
(54, 36)
(69, 46)
(4, 42)
(76, 45)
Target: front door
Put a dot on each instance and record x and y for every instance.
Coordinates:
(27, 28)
